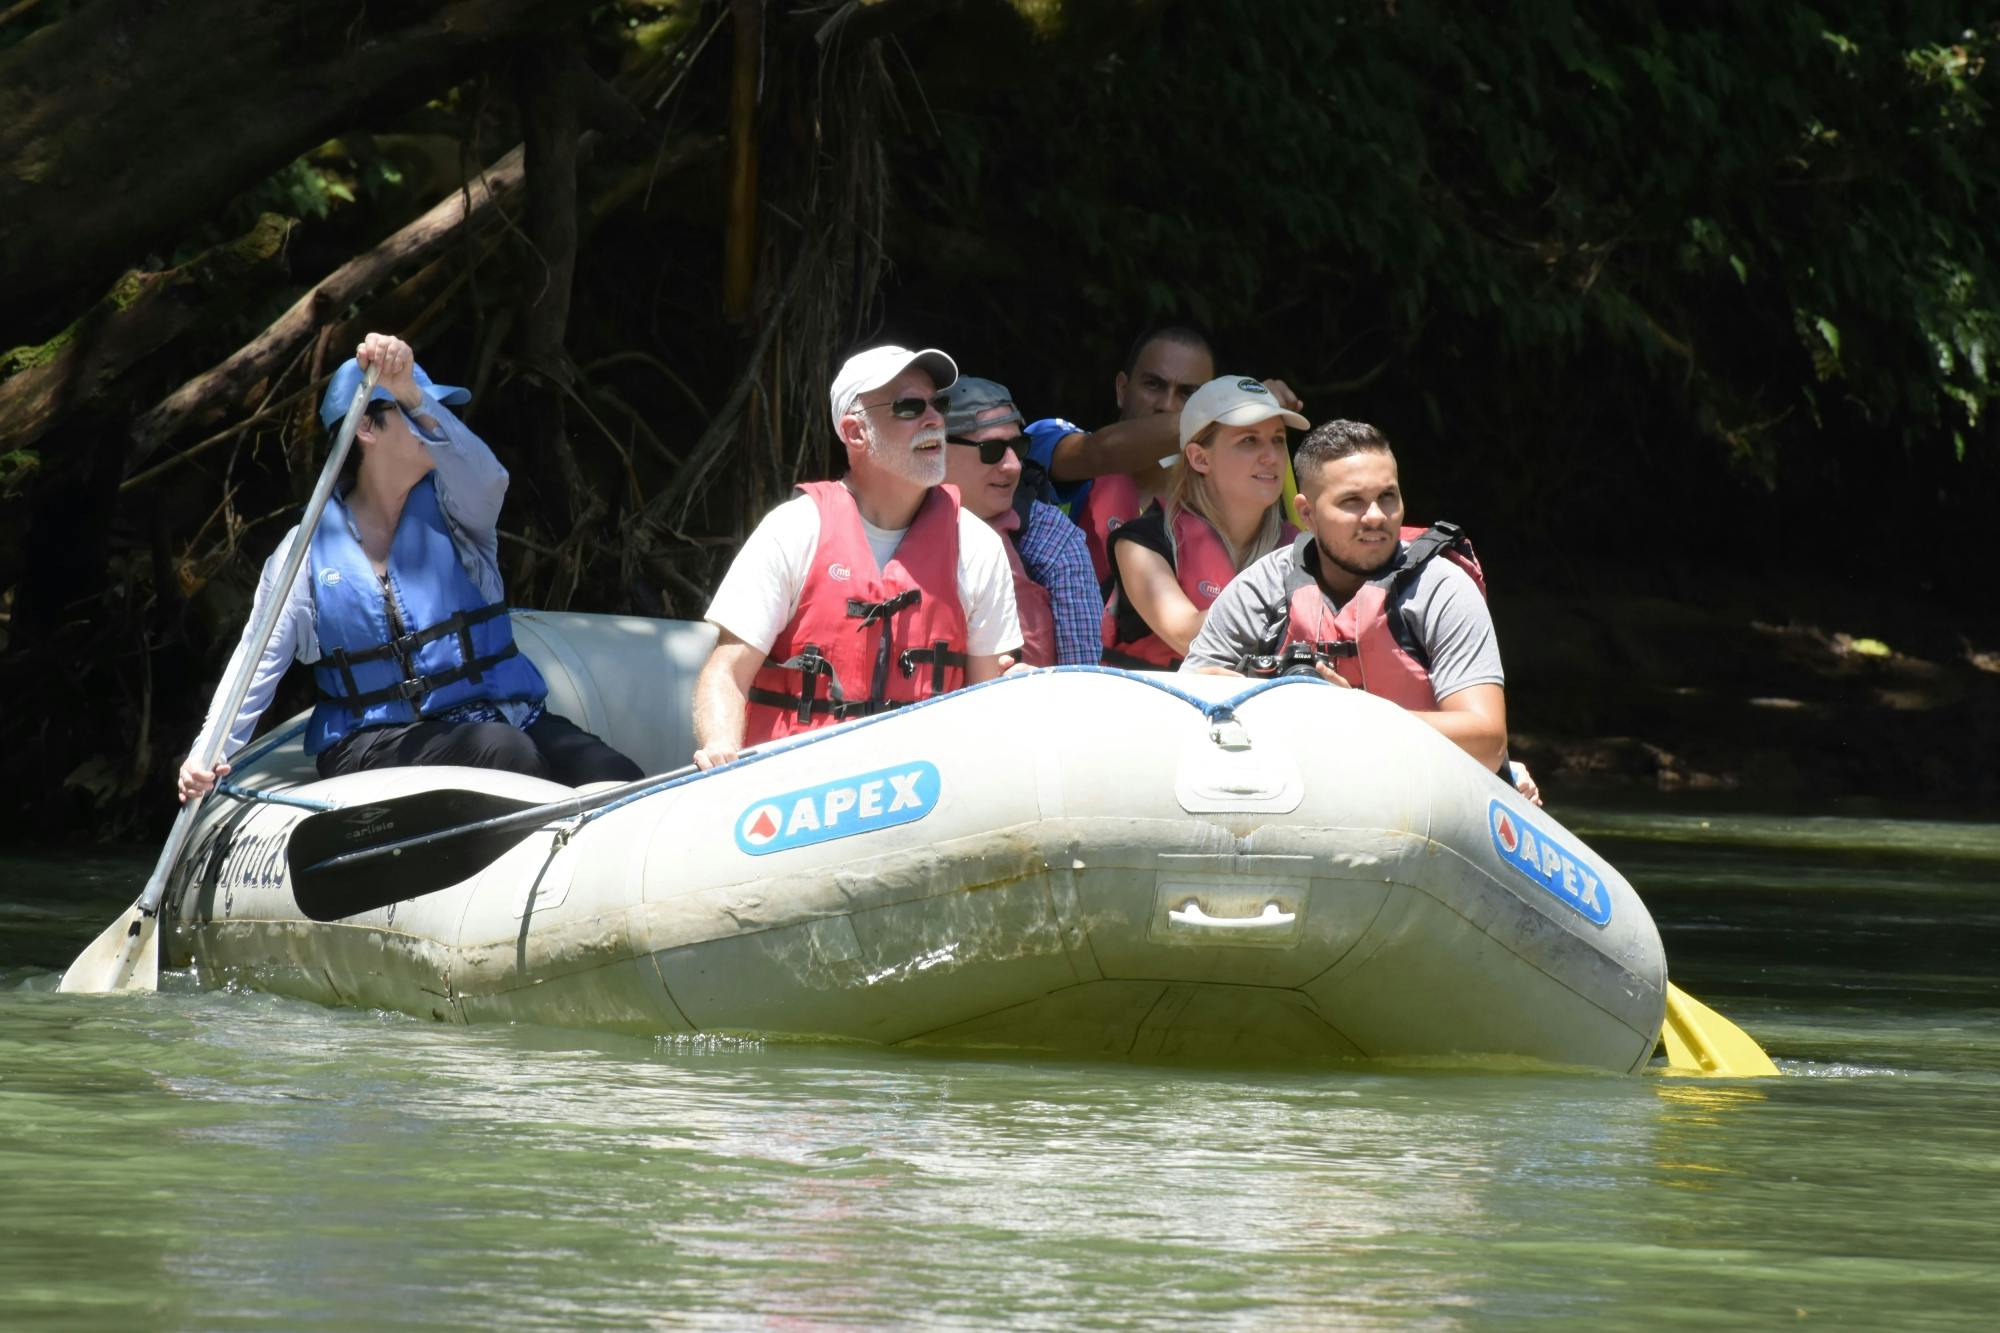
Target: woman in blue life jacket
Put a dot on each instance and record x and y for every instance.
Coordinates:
(400, 607)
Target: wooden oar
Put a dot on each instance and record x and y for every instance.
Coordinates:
(126, 955)
(1701, 1041)
(363, 857)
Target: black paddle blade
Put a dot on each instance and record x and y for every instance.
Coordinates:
(328, 893)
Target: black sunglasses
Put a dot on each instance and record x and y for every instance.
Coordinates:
(991, 451)
(909, 409)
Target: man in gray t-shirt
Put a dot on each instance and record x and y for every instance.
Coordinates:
(1350, 504)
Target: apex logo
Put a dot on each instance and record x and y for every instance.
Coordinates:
(1548, 863)
(1208, 589)
(330, 577)
(838, 572)
(864, 803)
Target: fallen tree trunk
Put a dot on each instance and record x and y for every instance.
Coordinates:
(142, 313)
(214, 395)
(93, 168)
(210, 395)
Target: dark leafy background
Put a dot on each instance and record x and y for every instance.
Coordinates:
(1686, 310)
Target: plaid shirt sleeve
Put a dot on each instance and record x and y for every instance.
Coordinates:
(1054, 554)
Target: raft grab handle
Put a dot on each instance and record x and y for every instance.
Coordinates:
(1190, 914)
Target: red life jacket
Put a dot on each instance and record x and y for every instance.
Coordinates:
(1360, 638)
(1037, 613)
(1113, 502)
(866, 630)
(1201, 567)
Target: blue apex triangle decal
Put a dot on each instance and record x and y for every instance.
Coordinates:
(1547, 862)
(864, 803)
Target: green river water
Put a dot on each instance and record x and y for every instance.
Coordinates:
(213, 1160)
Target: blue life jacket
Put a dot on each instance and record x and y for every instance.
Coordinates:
(455, 647)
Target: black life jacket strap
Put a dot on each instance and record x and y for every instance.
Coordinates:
(403, 651)
(940, 657)
(1435, 540)
(809, 709)
(811, 664)
(403, 648)
(414, 687)
(807, 704)
(870, 613)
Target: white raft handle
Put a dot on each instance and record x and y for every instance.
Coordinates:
(1189, 913)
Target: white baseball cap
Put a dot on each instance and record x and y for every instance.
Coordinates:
(1233, 400)
(878, 365)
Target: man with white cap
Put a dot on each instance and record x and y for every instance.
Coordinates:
(863, 594)
(400, 606)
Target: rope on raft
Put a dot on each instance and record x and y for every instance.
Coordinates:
(258, 794)
(1222, 711)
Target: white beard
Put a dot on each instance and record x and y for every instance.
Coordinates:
(903, 461)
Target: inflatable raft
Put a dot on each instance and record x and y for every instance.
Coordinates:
(1076, 859)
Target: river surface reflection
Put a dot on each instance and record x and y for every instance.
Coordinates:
(203, 1160)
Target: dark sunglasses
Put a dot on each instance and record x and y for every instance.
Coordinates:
(909, 409)
(991, 451)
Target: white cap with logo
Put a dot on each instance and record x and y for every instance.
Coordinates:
(875, 367)
(1232, 400)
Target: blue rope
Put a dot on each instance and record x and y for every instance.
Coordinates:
(267, 797)
(250, 756)
(269, 743)
(1214, 712)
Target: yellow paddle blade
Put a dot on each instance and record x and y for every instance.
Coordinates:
(1701, 1041)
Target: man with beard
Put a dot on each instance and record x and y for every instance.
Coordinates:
(1353, 601)
(864, 594)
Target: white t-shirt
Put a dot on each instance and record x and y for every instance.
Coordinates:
(760, 593)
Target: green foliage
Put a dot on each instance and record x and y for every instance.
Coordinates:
(332, 176)
(38, 354)
(301, 190)
(17, 467)
(654, 28)
(1744, 204)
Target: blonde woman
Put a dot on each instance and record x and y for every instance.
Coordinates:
(1223, 511)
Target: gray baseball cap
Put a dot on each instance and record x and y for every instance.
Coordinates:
(977, 404)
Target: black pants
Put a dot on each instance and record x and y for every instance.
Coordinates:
(554, 748)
